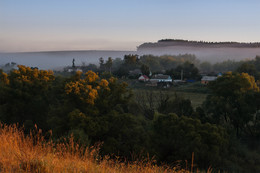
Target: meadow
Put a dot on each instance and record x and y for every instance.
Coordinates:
(195, 92)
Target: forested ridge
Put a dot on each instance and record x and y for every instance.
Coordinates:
(181, 42)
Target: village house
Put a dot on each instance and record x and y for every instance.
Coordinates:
(206, 79)
(161, 78)
(143, 78)
(74, 70)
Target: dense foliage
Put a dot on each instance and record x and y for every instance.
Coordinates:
(100, 109)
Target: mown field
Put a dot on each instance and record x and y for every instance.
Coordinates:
(195, 92)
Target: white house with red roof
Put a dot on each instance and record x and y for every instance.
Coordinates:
(143, 78)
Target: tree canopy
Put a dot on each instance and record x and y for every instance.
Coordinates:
(233, 100)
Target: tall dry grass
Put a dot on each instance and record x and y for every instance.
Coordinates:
(32, 153)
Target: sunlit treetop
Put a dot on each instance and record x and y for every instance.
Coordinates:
(86, 88)
(252, 85)
(4, 78)
(234, 83)
(246, 81)
(27, 75)
(91, 76)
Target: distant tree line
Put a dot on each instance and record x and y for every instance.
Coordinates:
(202, 44)
(150, 64)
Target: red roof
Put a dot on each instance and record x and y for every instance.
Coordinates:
(145, 77)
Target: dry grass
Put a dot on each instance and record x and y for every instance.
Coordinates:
(20, 153)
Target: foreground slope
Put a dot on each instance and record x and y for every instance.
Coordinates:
(20, 153)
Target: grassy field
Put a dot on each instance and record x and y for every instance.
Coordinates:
(20, 153)
(196, 92)
(196, 98)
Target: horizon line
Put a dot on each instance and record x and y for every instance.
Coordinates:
(160, 40)
(70, 50)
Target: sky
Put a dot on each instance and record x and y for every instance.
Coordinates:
(44, 25)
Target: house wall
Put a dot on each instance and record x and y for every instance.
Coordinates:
(204, 82)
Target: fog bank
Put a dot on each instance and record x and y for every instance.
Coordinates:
(58, 59)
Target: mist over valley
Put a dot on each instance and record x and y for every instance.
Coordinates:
(59, 59)
(204, 51)
(212, 52)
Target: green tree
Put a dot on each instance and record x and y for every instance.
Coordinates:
(101, 64)
(153, 62)
(24, 96)
(177, 105)
(89, 67)
(188, 69)
(126, 135)
(109, 64)
(232, 100)
(130, 59)
(257, 63)
(176, 138)
(145, 69)
(247, 68)
(206, 67)
(73, 63)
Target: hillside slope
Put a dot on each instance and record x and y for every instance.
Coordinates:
(20, 153)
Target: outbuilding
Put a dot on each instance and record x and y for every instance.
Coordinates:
(161, 78)
(143, 78)
(206, 79)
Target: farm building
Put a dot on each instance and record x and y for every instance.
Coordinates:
(206, 79)
(143, 78)
(161, 78)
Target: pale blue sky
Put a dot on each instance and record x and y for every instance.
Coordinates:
(35, 25)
